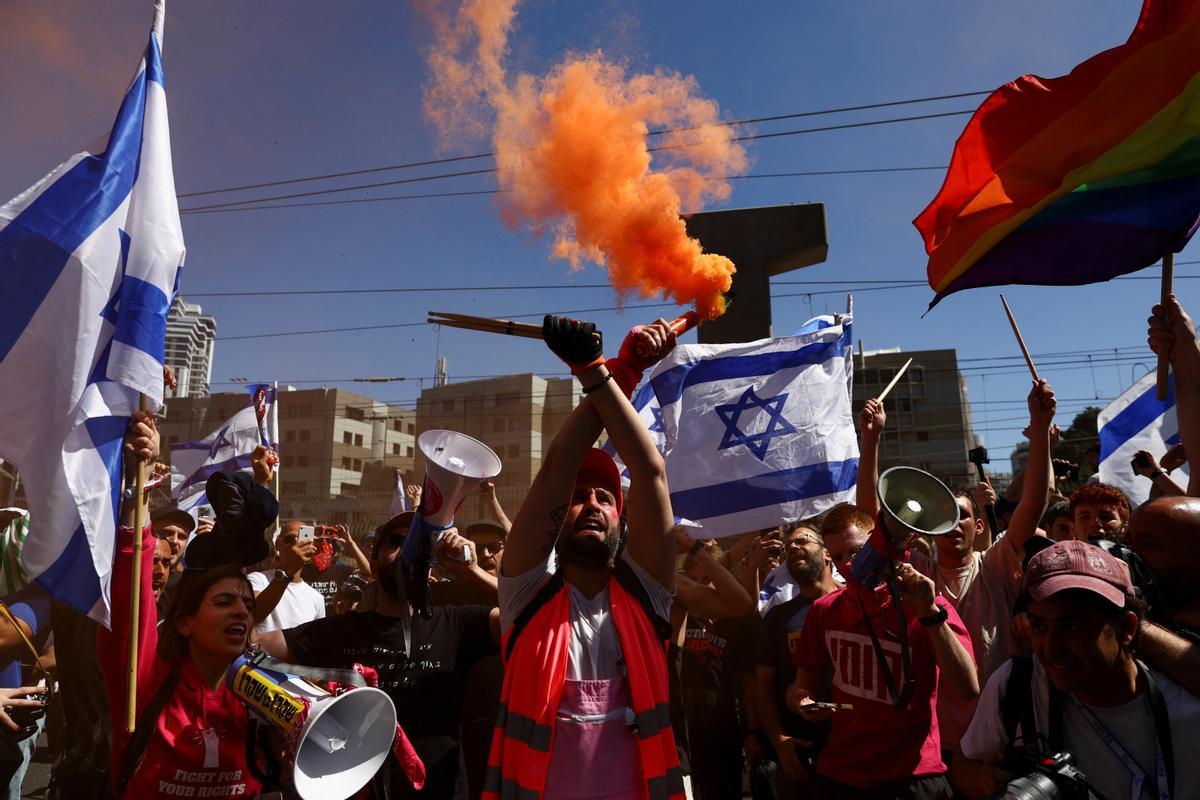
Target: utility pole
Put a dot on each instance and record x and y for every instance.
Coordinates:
(761, 242)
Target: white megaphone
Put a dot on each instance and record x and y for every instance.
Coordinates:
(454, 465)
(912, 503)
(338, 742)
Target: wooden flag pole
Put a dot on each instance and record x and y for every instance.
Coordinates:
(1164, 362)
(1020, 340)
(135, 600)
(896, 379)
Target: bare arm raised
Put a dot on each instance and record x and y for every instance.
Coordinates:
(540, 519)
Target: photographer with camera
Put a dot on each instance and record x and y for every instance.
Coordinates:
(1083, 703)
(282, 598)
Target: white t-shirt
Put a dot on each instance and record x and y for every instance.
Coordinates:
(982, 591)
(300, 603)
(595, 650)
(1132, 724)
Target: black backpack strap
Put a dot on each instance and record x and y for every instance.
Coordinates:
(1016, 705)
(544, 595)
(131, 759)
(633, 585)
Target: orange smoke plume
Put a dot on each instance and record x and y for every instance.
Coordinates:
(574, 157)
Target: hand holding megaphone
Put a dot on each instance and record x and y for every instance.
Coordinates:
(454, 465)
(454, 551)
(916, 590)
(912, 503)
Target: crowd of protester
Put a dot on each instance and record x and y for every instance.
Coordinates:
(592, 648)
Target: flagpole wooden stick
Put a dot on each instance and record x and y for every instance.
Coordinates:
(1020, 340)
(1164, 362)
(895, 379)
(135, 599)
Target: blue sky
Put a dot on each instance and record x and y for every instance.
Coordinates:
(274, 90)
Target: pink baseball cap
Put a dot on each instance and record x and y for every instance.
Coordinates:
(599, 469)
(1076, 565)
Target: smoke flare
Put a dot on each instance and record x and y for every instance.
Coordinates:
(573, 155)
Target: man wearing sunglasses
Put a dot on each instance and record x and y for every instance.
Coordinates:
(422, 663)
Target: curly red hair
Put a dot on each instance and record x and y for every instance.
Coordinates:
(1101, 494)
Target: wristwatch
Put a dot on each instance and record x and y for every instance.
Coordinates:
(936, 618)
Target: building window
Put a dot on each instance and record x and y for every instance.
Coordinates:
(285, 462)
(302, 461)
(347, 437)
(358, 465)
(398, 426)
(408, 451)
(289, 436)
(514, 451)
(447, 406)
(395, 449)
(356, 414)
(358, 440)
(508, 398)
(412, 428)
(922, 436)
(347, 463)
(305, 436)
(293, 488)
(497, 426)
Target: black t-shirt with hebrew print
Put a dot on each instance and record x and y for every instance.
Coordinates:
(427, 687)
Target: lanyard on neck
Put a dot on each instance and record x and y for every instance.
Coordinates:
(1164, 757)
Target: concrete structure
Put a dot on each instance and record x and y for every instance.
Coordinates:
(188, 348)
(761, 242)
(515, 415)
(338, 450)
(928, 414)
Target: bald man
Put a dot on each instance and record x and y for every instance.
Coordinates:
(1165, 532)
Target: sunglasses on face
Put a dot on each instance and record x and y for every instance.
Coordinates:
(490, 548)
(393, 539)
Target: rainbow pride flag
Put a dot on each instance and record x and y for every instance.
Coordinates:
(1081, 178)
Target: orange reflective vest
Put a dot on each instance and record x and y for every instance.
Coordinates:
(534, 678)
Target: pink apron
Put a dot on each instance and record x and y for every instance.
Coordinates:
(595, 751)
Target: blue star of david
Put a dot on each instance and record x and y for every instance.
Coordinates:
(657, 425)
(757, 443)
(219, 443)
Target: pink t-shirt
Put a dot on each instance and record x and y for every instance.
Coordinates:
(875, 743)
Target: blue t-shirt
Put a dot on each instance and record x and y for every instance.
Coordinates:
(32, 605)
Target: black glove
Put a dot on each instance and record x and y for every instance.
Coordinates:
(577, 343)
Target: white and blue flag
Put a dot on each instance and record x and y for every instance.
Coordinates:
(755, 433)
(89, 262)
(1135, 421)
(227, 449)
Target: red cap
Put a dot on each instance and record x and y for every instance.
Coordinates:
(598, 469)
(1077, 565)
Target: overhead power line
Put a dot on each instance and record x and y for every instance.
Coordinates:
(457, 159)
(841, 286)
(488, 170)
(248, 205)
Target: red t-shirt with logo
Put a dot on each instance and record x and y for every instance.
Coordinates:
(875, 743)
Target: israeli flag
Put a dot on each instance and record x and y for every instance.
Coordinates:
(89, 261)
(758, 432)
(1137, 421)
(227, 449)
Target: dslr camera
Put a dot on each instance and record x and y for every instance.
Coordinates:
(1049, 776)
(26, 717)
